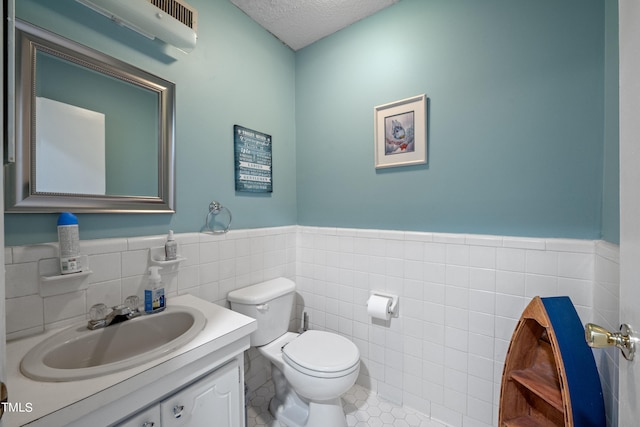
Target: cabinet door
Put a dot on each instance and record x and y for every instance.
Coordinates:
(214, 401)
(147, 418)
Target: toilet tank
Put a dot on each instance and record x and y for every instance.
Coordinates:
(270, 303)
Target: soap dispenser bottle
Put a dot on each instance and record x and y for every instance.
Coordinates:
(170, 248)
(154, 300)
(69, 243)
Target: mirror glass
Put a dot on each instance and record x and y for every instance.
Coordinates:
(93, 134)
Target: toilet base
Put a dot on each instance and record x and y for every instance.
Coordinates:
(327, 413)
(311, 414)
(294, 411)
(286, 405)
(291, 411)
(291, 415)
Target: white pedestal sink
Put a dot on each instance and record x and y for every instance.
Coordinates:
(79, 353)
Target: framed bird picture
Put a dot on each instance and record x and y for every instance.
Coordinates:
(400, 130)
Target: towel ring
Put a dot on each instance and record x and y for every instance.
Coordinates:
(214, 209)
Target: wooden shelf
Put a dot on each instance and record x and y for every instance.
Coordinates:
(549, 391)
(528, 422)
(541, 376)
(535, 381)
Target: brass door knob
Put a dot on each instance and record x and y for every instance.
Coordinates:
(599, 337)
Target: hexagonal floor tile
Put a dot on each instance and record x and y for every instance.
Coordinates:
(363, 408)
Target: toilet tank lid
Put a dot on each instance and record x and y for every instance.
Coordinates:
(262, 292)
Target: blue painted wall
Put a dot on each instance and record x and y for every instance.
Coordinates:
(238, 74)
(516, 119)
(516, 114)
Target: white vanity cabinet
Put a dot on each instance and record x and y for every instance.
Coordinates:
(202, 381)
(147, 418)
(213, 401)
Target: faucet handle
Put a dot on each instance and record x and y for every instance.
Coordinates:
(98, 312)
(133, 302)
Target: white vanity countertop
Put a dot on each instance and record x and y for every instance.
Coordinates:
(38, 399)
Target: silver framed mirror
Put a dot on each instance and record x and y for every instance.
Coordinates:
(92, 133)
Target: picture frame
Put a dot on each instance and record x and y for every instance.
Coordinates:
(253, 160)
(400, 132)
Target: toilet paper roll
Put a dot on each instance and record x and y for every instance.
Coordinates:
(378, 307)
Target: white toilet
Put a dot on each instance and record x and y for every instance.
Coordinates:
(310, 370)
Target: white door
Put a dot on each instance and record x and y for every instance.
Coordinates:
(2, 311)
(629, 30)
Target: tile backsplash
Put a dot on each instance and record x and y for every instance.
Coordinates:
(213, 265)
(460, 298)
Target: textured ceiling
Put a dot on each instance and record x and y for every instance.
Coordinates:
(298, 23)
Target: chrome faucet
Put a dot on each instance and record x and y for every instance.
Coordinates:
(99, 318)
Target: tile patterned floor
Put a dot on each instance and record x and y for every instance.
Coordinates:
(362, 407)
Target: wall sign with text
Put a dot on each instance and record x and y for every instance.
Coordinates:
(253, 160)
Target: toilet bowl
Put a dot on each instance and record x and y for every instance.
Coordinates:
(311, 370)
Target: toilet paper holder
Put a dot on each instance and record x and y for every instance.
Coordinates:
(393, 308)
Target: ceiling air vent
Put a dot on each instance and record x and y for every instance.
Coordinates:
(176, 26)
(180, 10)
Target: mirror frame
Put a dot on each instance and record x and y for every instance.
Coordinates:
(20, 192)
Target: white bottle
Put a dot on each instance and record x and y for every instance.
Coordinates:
(154, 300)
(170, 247)
(69, 243)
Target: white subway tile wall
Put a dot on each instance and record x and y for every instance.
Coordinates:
(460, 298)
(212, 266)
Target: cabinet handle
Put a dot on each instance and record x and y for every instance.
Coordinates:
(177, 411)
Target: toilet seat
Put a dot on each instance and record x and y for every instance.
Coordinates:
(322, 354)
